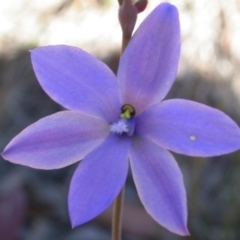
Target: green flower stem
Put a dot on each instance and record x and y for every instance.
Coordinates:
(117, 216)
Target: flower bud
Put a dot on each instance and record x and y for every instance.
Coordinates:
(141, 5)
(127, 17)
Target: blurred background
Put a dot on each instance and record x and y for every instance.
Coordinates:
(33, 203)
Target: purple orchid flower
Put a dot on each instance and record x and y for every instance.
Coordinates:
(113, 120)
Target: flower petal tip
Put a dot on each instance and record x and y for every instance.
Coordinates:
(73, 223)
(2, 154)
(188, 234)
(5, 154)
(77, 216)
(181, 230)
(185, 232)
(32, 51)
(168, 7)
(74, 218)
(169, 11)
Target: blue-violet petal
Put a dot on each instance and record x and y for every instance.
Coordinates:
(149, 64)
(98, 179)
(189, 128)
(77, 80)
(160, 185)
(57, 140)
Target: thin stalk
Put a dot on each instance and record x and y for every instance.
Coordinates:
(125, 41)
(118, 203)
(117, 216)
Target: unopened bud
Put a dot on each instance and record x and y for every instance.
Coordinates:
(141, 5)
(127, 17)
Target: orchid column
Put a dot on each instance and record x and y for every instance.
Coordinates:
(112, 120)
